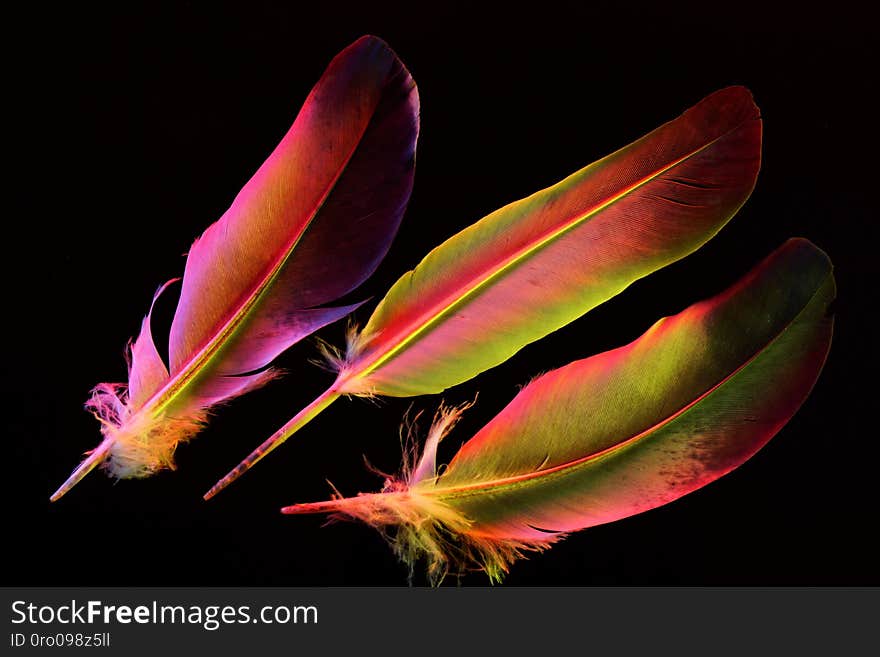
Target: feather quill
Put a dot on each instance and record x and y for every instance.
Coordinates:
(256, 281)
(537, 264)
(620, 433)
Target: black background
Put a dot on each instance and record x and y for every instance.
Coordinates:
(132, 130)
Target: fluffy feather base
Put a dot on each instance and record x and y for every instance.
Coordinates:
(343, 362)
(416, 524)
(143, 441)
(419, 527)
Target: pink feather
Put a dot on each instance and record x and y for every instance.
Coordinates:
(311, 225)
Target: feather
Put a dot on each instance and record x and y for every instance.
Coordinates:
(622, 432)
(539, 263)
(256, 281)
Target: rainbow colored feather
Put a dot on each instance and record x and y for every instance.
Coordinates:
(256, 281)
(619, 433)
(539, 263)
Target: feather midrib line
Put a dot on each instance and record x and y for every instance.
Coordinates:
(178, 383)
(518, 481)
(427, 320)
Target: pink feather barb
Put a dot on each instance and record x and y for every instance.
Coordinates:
(617, 434)
(256, 281)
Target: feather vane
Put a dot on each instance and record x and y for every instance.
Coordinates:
(621, 432)
(256, 281)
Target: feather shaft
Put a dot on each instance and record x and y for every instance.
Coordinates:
(274, 441)
(92, 460)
